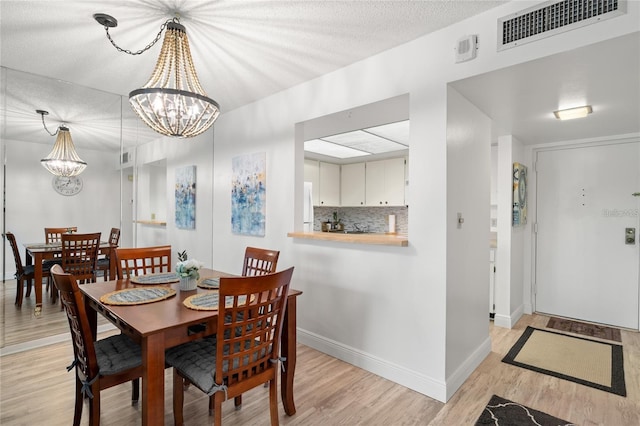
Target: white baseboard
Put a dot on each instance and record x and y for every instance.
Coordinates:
(414, 380)
(508, 321)
(45, 341)
(464, 371)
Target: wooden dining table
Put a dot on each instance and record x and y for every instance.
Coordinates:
(37, 253)
(163, 324)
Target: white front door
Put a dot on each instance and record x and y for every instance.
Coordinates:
(584, 267)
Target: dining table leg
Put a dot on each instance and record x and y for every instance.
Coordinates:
(288, 350)
(37, 282)
(153, 379)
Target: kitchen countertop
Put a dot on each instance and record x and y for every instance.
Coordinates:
(400, 240)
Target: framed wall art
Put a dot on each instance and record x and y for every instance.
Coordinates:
(248, 194)
(519, 194)
(185, 193)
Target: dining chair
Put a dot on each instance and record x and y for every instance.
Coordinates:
(99, 364)
(142, 260)
(79, 257)
(104, 261)
(54, 235)
(246, 350)
(259, 261)
(24, 273)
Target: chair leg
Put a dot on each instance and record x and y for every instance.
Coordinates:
(19, 290)
(217, 409)
(77, 412)
(238, 401)
(135, 391)
(273, 403)
(94, 405)
(178, 398)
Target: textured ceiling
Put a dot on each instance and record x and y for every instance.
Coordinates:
(242, 50)
(246, 50)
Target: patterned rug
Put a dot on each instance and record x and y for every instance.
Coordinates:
(502, 412)
(591, 330)
(587, 362)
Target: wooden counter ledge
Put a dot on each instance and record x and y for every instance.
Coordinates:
(373, 239)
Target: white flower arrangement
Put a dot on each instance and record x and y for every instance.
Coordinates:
(188, 267)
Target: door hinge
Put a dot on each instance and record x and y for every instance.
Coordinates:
(535, 227)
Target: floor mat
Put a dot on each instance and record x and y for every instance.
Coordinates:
(502, 412)
(591, 330)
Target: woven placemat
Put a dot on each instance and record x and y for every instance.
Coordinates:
(209, 301)
(159, 278)
(209, 283)
(137, 296)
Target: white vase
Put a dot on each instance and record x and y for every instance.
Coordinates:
(188, 283)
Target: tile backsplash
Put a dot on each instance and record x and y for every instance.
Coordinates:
(375, 218)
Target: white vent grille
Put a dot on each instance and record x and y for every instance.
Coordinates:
(552, 18)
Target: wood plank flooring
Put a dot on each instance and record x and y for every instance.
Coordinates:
(35, 388)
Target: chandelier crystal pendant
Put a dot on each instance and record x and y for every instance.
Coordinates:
(63, 159)
(172, 102)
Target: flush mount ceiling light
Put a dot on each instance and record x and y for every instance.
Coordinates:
(172, 102)
(382, 139)
(63, 159)
(571, 113)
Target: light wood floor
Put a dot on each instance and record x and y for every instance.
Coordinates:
(35, 388)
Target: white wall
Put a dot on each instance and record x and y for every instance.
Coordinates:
(32, 204)
(468, 189)
(158, 186)
(386, 309)
(511, 240)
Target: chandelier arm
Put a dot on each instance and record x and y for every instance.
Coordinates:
(147, 47)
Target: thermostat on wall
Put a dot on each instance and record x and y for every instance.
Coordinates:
(466, 48)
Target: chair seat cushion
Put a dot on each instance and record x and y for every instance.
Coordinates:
(48, 264)
(103, 263)
(117, 353)
(196, 361)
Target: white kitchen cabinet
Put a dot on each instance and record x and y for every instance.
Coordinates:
(325, 180)
(329, 184)
(352, 185)
(385, 182)
(312, 174)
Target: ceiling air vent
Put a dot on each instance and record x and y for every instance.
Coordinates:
(554, 17)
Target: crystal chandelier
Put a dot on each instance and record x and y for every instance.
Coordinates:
(172, 102)
(63, 159)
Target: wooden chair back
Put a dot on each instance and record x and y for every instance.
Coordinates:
(245, 349)
(259, 261)
(80, 255)
(16, 254)
(104, 260)
(23, 274)
(90, 380)
(142, 261)
(114, 236)
(248, 335)
(54, 235)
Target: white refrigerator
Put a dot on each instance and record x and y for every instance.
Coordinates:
(308, 207)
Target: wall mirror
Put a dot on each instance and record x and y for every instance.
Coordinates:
(106, 133)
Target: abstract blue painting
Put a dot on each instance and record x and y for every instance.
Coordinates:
(186, 197)
(248, 194)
